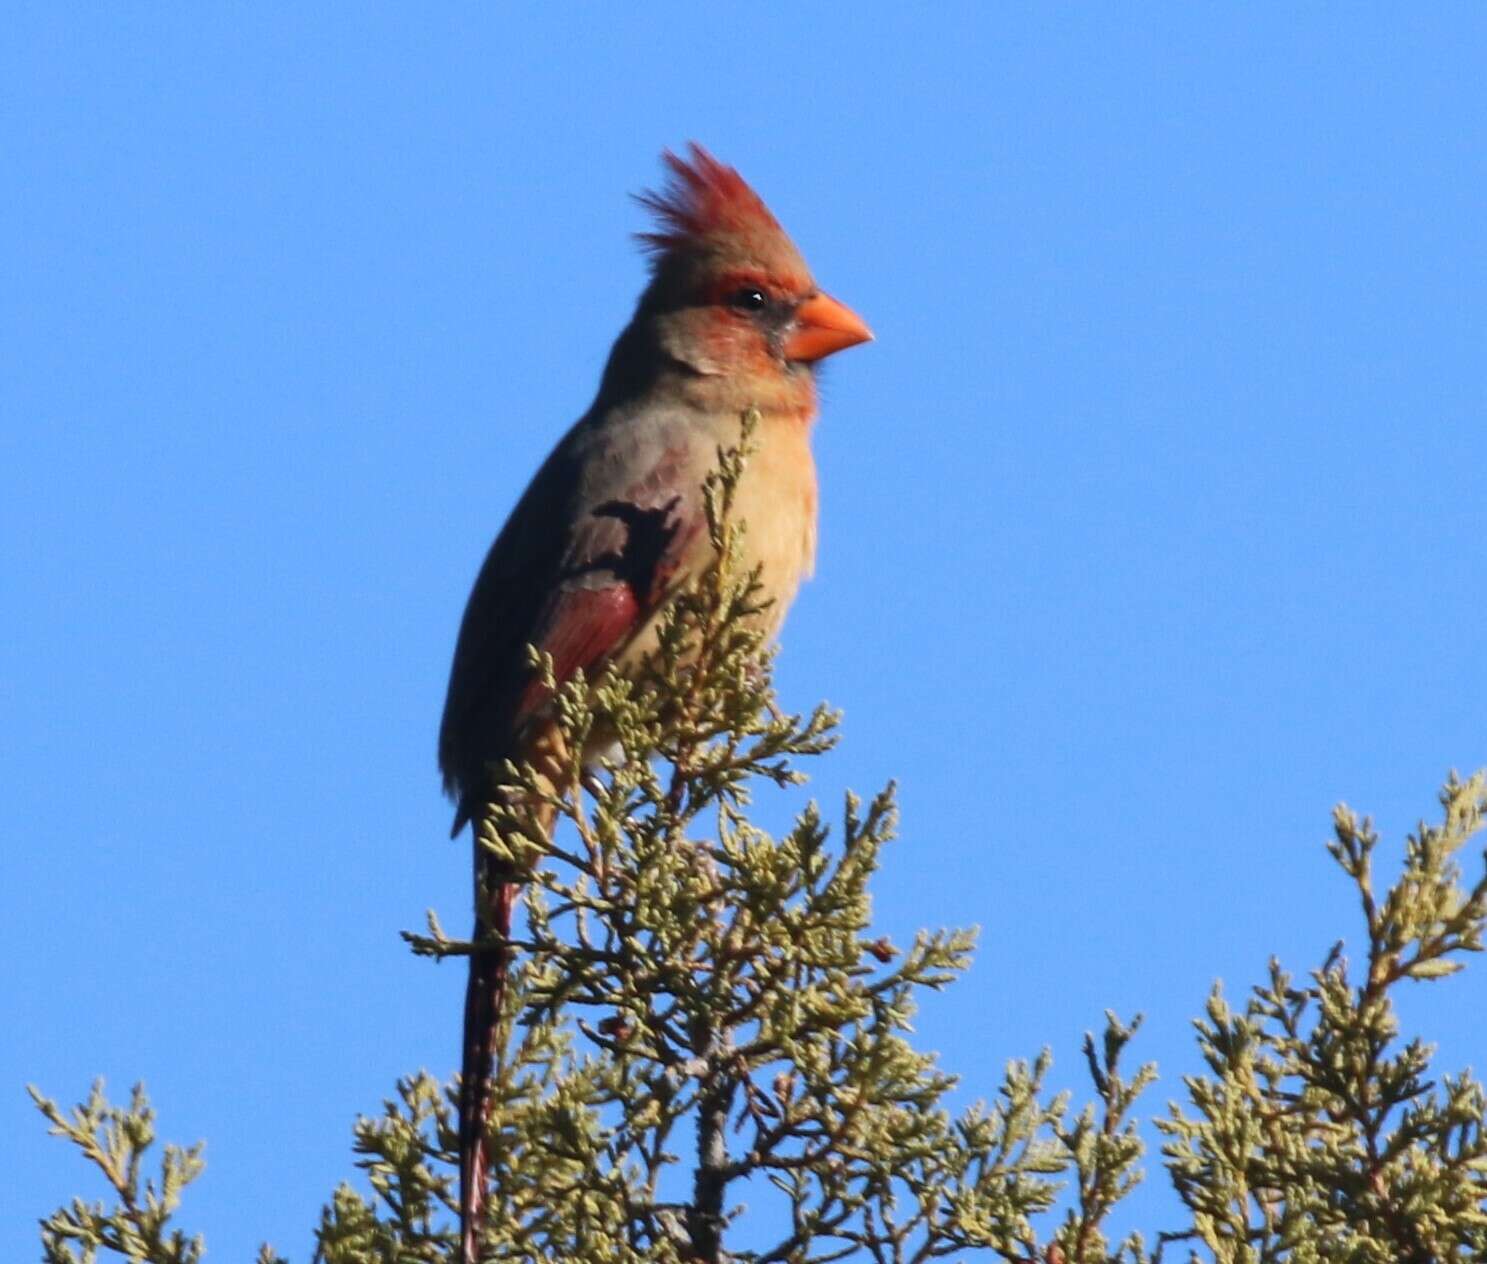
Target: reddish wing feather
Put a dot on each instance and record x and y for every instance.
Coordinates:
(584, 627)
(636, 543)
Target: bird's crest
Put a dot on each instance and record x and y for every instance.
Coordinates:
(702, 199)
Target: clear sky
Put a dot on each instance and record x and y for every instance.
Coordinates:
(1152, 523)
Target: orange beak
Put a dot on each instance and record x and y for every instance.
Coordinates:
(822, 325)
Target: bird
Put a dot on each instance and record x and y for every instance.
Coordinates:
(613, 523)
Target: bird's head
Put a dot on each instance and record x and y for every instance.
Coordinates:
(730, 295)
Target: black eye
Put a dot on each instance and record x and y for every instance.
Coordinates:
(749, 299)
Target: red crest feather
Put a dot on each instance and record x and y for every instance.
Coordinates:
(702, 197)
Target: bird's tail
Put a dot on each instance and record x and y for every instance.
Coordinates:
(495, 895)
(496, 889)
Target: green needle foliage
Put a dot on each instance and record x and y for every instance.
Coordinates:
(1316, 1134)
(707, 1052)
(114, 1139)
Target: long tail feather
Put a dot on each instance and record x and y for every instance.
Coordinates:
(496, 890)
(484, 993)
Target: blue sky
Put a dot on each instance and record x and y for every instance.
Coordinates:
(1152, 522)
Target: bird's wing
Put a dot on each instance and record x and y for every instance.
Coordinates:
(588, 554)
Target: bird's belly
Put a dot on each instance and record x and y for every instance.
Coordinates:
(776, 503)
(776, 500)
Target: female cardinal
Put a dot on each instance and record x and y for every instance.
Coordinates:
(613, 522)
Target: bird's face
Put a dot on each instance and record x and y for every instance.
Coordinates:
(780, 318)
(754, 321)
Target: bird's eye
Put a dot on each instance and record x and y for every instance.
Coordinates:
(749, 299)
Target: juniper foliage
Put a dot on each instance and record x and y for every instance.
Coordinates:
(707, 1051)
(1316, 1135)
